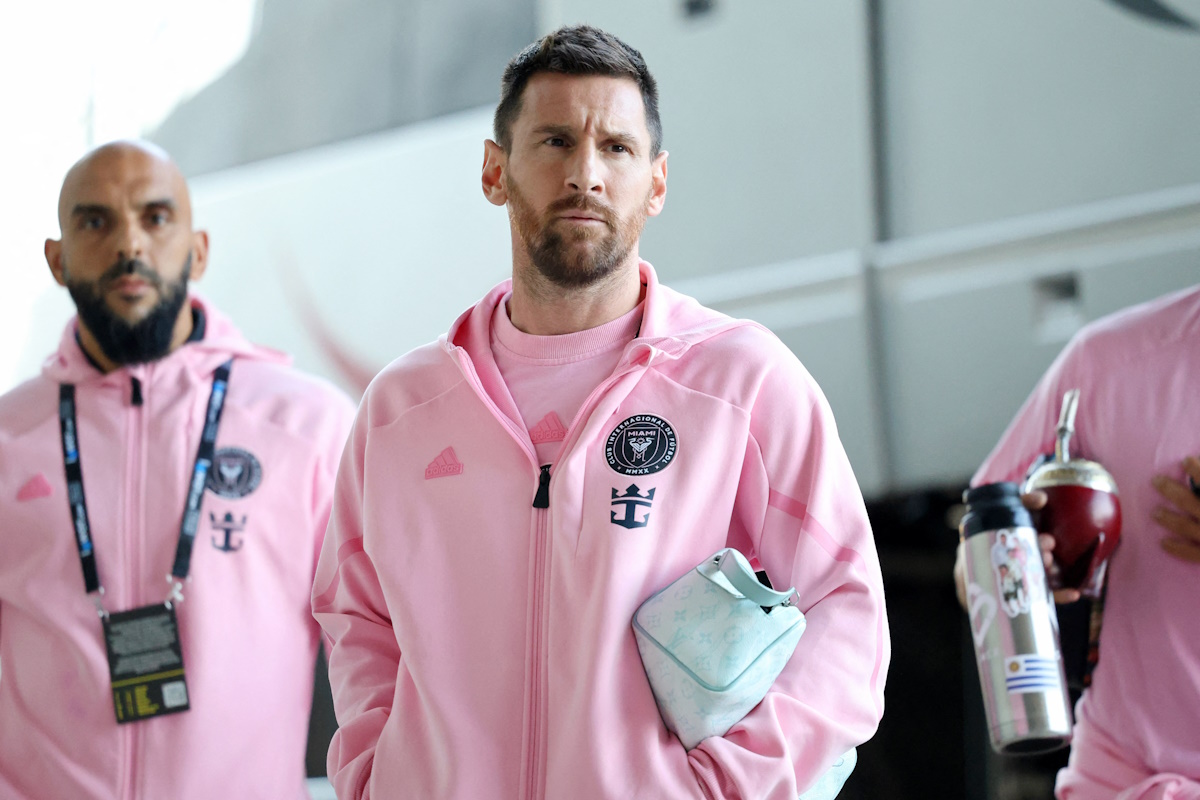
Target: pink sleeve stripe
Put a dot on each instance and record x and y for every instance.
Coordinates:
(813, 528)
(794, 508)
(348, 549)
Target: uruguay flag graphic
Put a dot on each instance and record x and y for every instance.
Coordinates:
(1030, 673)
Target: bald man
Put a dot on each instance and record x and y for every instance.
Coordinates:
(164, 490)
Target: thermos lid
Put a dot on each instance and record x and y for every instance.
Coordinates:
(993, 506)
(1002, 491)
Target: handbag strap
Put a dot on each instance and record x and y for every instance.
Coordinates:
(745, 582)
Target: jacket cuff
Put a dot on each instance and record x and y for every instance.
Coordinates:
(712, 779)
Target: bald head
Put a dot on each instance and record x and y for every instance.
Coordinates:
(127, 249)
(122, 161)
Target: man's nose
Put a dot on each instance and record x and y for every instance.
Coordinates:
(130, 240)
(585, 174)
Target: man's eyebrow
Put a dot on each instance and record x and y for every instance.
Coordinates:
(81, 209)
(620, 137)
(163, 203)
(553, 130)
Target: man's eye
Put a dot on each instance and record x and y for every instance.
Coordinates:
(157, 218)
(556, 141)
(92, 222)
(619, 148)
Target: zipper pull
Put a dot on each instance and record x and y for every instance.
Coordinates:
(135, 391)
(542, 499)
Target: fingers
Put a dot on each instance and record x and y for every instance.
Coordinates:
(1036, 500)
(1183, 519)
(1185, 541)
(1064, 596)
(1191, 467)
(960, 575)
(1046, 545)
(1053, 572)
(1181, 548)
(1177, 494)
(1184, 526)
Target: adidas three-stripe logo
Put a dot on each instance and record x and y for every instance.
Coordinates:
(550, 429)
(444, 465)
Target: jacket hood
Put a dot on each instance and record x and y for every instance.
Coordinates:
(671, 322)
(222, 341)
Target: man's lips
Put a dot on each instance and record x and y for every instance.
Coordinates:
(583, 218)
(130, 284)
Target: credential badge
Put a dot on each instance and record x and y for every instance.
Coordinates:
(640, 445)
(235, 473)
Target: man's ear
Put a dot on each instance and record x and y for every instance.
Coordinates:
(495, 162)
(199, 254)
(658, 185)
(53, 251)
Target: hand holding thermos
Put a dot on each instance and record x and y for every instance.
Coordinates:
(1006, 587)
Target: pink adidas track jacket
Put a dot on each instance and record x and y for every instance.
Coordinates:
(481, 647)
(248, 638)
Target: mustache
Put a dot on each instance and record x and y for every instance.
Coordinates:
(129, 266)
(580, 202)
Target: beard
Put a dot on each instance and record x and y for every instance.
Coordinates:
(577, 257)
(148, 339)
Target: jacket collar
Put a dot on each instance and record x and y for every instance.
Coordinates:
(671, 322)
(196, 357)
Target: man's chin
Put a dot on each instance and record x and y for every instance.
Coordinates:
(132, 310)
(576, 274)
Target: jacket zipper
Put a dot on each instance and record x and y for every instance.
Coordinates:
(135, 529)
(542, 498)
(541, 503)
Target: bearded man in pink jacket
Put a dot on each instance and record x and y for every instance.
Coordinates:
(580, 438)
(156, 442)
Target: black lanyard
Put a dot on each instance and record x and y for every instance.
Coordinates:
(191, 510)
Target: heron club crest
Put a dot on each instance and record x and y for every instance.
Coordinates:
(641, 445)
(234, 473)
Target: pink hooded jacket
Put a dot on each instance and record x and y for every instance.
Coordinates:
(249, 641)
(481, 647)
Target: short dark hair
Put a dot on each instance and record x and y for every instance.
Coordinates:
(575, 50)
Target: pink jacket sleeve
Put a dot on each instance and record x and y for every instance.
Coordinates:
(800, 513)
(349, 605)
(341, 420)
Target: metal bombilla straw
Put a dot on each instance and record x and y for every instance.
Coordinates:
(1066, 426)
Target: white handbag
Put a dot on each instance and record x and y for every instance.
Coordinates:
(712, 644)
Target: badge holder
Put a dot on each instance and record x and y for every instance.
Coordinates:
(145, 659)
(145, 655)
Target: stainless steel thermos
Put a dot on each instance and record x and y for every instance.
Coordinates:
(1013, 624)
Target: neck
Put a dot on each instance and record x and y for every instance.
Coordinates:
(542, 308)
(183, 329)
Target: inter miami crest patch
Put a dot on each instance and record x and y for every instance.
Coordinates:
(641, 445)
(235, 473)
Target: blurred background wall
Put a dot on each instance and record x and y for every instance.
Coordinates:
(923, 198)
